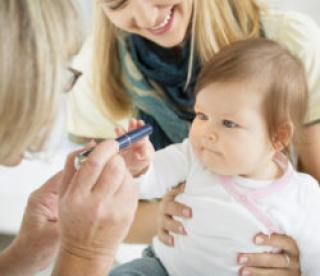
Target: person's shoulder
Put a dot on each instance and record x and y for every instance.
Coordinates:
(83, 60)
(308, 188)
(298, 31)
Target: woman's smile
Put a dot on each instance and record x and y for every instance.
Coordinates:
(165, 24)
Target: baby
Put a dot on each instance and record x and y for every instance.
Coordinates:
(251, 101)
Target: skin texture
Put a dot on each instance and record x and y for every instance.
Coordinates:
(140, 17)
(222, 134)
(97, 206)
(80, 217)
(38, 239)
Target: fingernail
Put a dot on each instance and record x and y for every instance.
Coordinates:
(186, 213)
(259, 240)
(183, 186)
(182, 230)
(246, 273)
(243, 260)
(171, 241)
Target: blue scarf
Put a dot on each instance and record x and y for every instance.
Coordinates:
(155, 79)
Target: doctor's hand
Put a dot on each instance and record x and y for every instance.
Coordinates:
(97, 204)
(37, 242)
(138, 155)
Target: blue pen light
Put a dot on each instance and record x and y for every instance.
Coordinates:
(133, 136)
(124, 141)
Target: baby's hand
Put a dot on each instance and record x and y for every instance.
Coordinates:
(139, 155)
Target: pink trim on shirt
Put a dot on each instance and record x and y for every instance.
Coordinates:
(248, 199)
(276, 186)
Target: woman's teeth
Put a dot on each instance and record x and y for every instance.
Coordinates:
(164, 22)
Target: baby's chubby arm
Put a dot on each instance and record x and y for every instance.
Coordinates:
(155, 172)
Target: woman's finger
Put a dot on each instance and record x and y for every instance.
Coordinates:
(111, 177)
(271, 260)
(169, 224)
(171, 195)
(69, 171)
(252, 271)
(173, 208)
(165, 237)
(89, 172)
(280, 241)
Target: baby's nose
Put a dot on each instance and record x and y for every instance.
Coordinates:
(213, 137)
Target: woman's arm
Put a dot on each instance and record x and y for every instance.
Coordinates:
(155, 216)
(37, 242)
(308, 150)
(144, 226)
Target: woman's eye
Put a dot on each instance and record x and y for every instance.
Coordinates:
(116, 4)
(229, 124)
(201, 116)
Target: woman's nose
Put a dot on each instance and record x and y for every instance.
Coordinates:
(145, 14)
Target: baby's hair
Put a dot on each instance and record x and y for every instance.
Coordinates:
(273, 69)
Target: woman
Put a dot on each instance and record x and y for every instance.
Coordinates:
(146, 57)
(85, 226)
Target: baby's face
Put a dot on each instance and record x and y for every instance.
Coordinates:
(229, 134)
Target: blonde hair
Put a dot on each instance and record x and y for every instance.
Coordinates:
(37, 37)
(273, 70)
(217, 23)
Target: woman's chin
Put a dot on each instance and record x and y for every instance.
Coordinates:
(167, 42)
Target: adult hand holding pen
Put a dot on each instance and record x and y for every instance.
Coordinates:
(139, 155)
(97, 205)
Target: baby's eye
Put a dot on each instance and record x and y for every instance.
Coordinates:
(229, 124)
(201, 116)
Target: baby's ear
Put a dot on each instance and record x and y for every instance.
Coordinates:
(283, 136)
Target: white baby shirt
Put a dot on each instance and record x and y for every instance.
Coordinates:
(229, 211)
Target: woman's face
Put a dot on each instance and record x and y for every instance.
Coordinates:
(165, 22)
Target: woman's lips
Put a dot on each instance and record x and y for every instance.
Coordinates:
(165, 25)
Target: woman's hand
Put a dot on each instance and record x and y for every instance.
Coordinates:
(37, 242)
(285, 263)
(97, 204)
(138, 155)
(169, 208)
